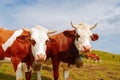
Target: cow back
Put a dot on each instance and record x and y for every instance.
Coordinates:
(5, 35)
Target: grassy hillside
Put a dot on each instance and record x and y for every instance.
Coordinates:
(108, 57)
(108, 69)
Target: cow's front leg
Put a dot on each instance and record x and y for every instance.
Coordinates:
(65, 71)
(17, 67)
(19, 72)
(26, 71)
(28, 75)
(22, 72)
(66, 74)
(37, 68)
(55, 63)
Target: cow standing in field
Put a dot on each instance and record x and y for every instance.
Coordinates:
(23, 47)
(93, 56)
(68, 45)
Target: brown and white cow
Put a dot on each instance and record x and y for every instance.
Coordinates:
(93, 56)
(23, 47)
(68, 45)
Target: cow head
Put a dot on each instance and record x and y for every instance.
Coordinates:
(39, 37)
(83, 36)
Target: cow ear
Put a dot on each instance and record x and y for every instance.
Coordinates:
(94, 37)
(69, 33)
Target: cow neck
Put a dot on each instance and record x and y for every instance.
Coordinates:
(11, 40)
(73, 47)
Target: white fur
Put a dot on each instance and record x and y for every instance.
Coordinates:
(10, 41)
(38, 75)
(66, 74)
(19, 73)
(7, 59)
(24, 68)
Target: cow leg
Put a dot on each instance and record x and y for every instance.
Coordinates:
(37, 68)
(17, 67)
(19, 73)
(65, 71)
(39, 73)
(88, 60)
(96, 61)
(55, 63)
(26, 71)
(66, 74)
(28, 75)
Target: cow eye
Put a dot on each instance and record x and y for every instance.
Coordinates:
(33, 42)
(77, 36)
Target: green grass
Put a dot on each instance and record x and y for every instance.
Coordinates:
(108, 69)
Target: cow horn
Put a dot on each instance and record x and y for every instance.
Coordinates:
(41, 28)
(73, 25)
(26, 29)
(51, 32)
(93, 26)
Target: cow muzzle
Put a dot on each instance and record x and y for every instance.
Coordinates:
(40, 58)
(85, 49)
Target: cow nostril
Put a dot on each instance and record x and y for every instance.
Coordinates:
(87, 47)
(41, 56)
(38, 56)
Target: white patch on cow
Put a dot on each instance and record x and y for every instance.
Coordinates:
(38, 75)
(40, 36)
(19, 73)
(10, 41)
(7, 59)
(25, 68)
(66, 74)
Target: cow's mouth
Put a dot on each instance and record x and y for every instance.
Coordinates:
(85, 51)
(39, 61)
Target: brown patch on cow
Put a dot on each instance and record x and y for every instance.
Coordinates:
(5, 35)
(28, 75)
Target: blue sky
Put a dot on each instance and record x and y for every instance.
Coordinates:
(57, 14)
